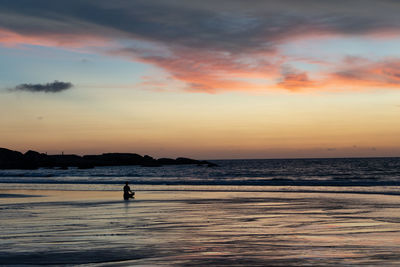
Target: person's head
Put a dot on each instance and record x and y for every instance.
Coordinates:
(126, 183)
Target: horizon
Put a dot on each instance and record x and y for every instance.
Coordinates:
(217, 159)
(217, 80)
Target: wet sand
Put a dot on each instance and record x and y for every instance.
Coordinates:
(188, 228)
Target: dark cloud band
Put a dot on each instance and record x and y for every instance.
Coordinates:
(54, 87)
(234, 25)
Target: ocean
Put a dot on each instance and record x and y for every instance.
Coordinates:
(239, 174)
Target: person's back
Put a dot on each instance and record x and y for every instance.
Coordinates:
(127, 192)
(127, 189)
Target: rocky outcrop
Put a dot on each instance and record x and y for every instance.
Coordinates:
(10, 159)
(32, 160)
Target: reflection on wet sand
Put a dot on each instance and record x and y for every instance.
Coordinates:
(199, 228)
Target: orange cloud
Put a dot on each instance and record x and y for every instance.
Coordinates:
(364, 73)
(354, 73)
(295, 81)
(12, 39)
(212, 72)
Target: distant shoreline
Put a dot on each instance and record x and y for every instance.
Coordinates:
(10, 159)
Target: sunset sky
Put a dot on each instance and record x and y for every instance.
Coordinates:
(203, 79)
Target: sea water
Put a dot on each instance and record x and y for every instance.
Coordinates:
(295, 172)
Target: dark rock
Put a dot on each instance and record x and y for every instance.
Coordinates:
(10, 159)
(10, 155)
(34, 155)
(115, 159)
(166, 161)
(63, 161)
(187, 161)
(32, 160)
(150, 162)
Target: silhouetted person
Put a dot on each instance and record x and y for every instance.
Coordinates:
(127, 192)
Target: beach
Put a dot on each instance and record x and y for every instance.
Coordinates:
(198, 228)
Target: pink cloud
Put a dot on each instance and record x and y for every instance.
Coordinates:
(295, 80)
(360, 72)
(13, 39)
(211, 72)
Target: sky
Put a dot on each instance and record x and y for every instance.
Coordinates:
(204, 79)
